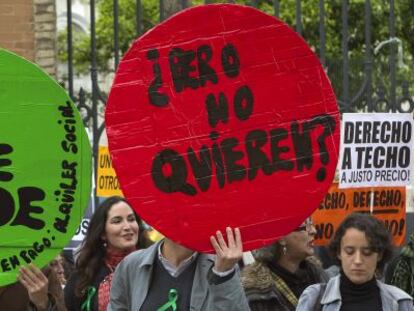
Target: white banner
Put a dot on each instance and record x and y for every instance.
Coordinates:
(376, 150)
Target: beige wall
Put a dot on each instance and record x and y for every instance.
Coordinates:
(28, 28)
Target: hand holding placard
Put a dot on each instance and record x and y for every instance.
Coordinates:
(228, 254)
(36, 284)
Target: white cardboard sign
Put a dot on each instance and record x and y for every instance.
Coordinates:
(376, 150)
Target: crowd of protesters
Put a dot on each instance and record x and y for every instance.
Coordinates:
(119, 268)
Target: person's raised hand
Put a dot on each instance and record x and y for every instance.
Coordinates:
(36, 284)
(228, 254)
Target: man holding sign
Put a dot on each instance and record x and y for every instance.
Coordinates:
(169, 276)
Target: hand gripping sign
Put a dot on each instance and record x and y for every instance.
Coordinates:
(45, 167)
(222, 116)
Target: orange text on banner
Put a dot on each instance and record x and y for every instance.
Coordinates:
(388, 205)
(107, 183)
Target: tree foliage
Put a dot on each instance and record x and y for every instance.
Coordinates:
(404, 24)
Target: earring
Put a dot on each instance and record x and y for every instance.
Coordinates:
(104, 244)
(284, 249)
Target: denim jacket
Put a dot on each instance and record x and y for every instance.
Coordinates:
(392, 298)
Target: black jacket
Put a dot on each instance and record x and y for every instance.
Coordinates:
(73, 302)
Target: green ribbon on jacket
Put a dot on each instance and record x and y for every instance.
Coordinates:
(86, 306)
(172, 301)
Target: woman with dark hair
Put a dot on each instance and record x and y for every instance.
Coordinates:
(362, 246)
(114, 232)
(282, 271)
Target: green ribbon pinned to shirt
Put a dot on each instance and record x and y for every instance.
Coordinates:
(86, 306)
(172, 299)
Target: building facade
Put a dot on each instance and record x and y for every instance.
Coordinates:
(28, 28)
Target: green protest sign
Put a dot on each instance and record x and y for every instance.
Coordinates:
(45, 167)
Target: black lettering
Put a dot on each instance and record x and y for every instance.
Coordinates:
(5, 266)
(65, 208)
(201, 166)
(46, 242)
(68, 174)
(302, 144)
(234, 171)
(155, 97)
(69, 166)
(385, 128)
(5, 149)
(26, 196)
(392, 156)
(217, 111)
(38, 247)
(72, 185)
(67, 110)
(329, 125)
(69, 147)
(375, 132)
(243, 95)
(348, 132)
(324, 231)
(406, 132)
(346, 159)
(111, 181)
(366, 132)
(85, 225)
(181, 67)
(230, 61)
(70, 137)
(70, 129)
(61, 224)
(404, 157)
(358, 132)
(378, 159)
(255, 140)
(32, 254)
(360, 151)
(23, 254)
(176, 181)
(206, 73)
(276, 136)
(368, 157)
(14, 261)
(7, 206)
(396, 132)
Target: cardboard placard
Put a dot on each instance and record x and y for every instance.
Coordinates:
(376, 150)
(107, 183)
(385, 203)
(222, 123)
(45, 167)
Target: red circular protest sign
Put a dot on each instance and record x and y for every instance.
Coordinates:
(223, 116)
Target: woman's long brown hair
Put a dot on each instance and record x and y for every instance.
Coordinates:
(92, 254)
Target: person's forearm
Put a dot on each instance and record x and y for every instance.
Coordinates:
(41, 304)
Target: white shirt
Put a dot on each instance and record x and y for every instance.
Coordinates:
(176, 271)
